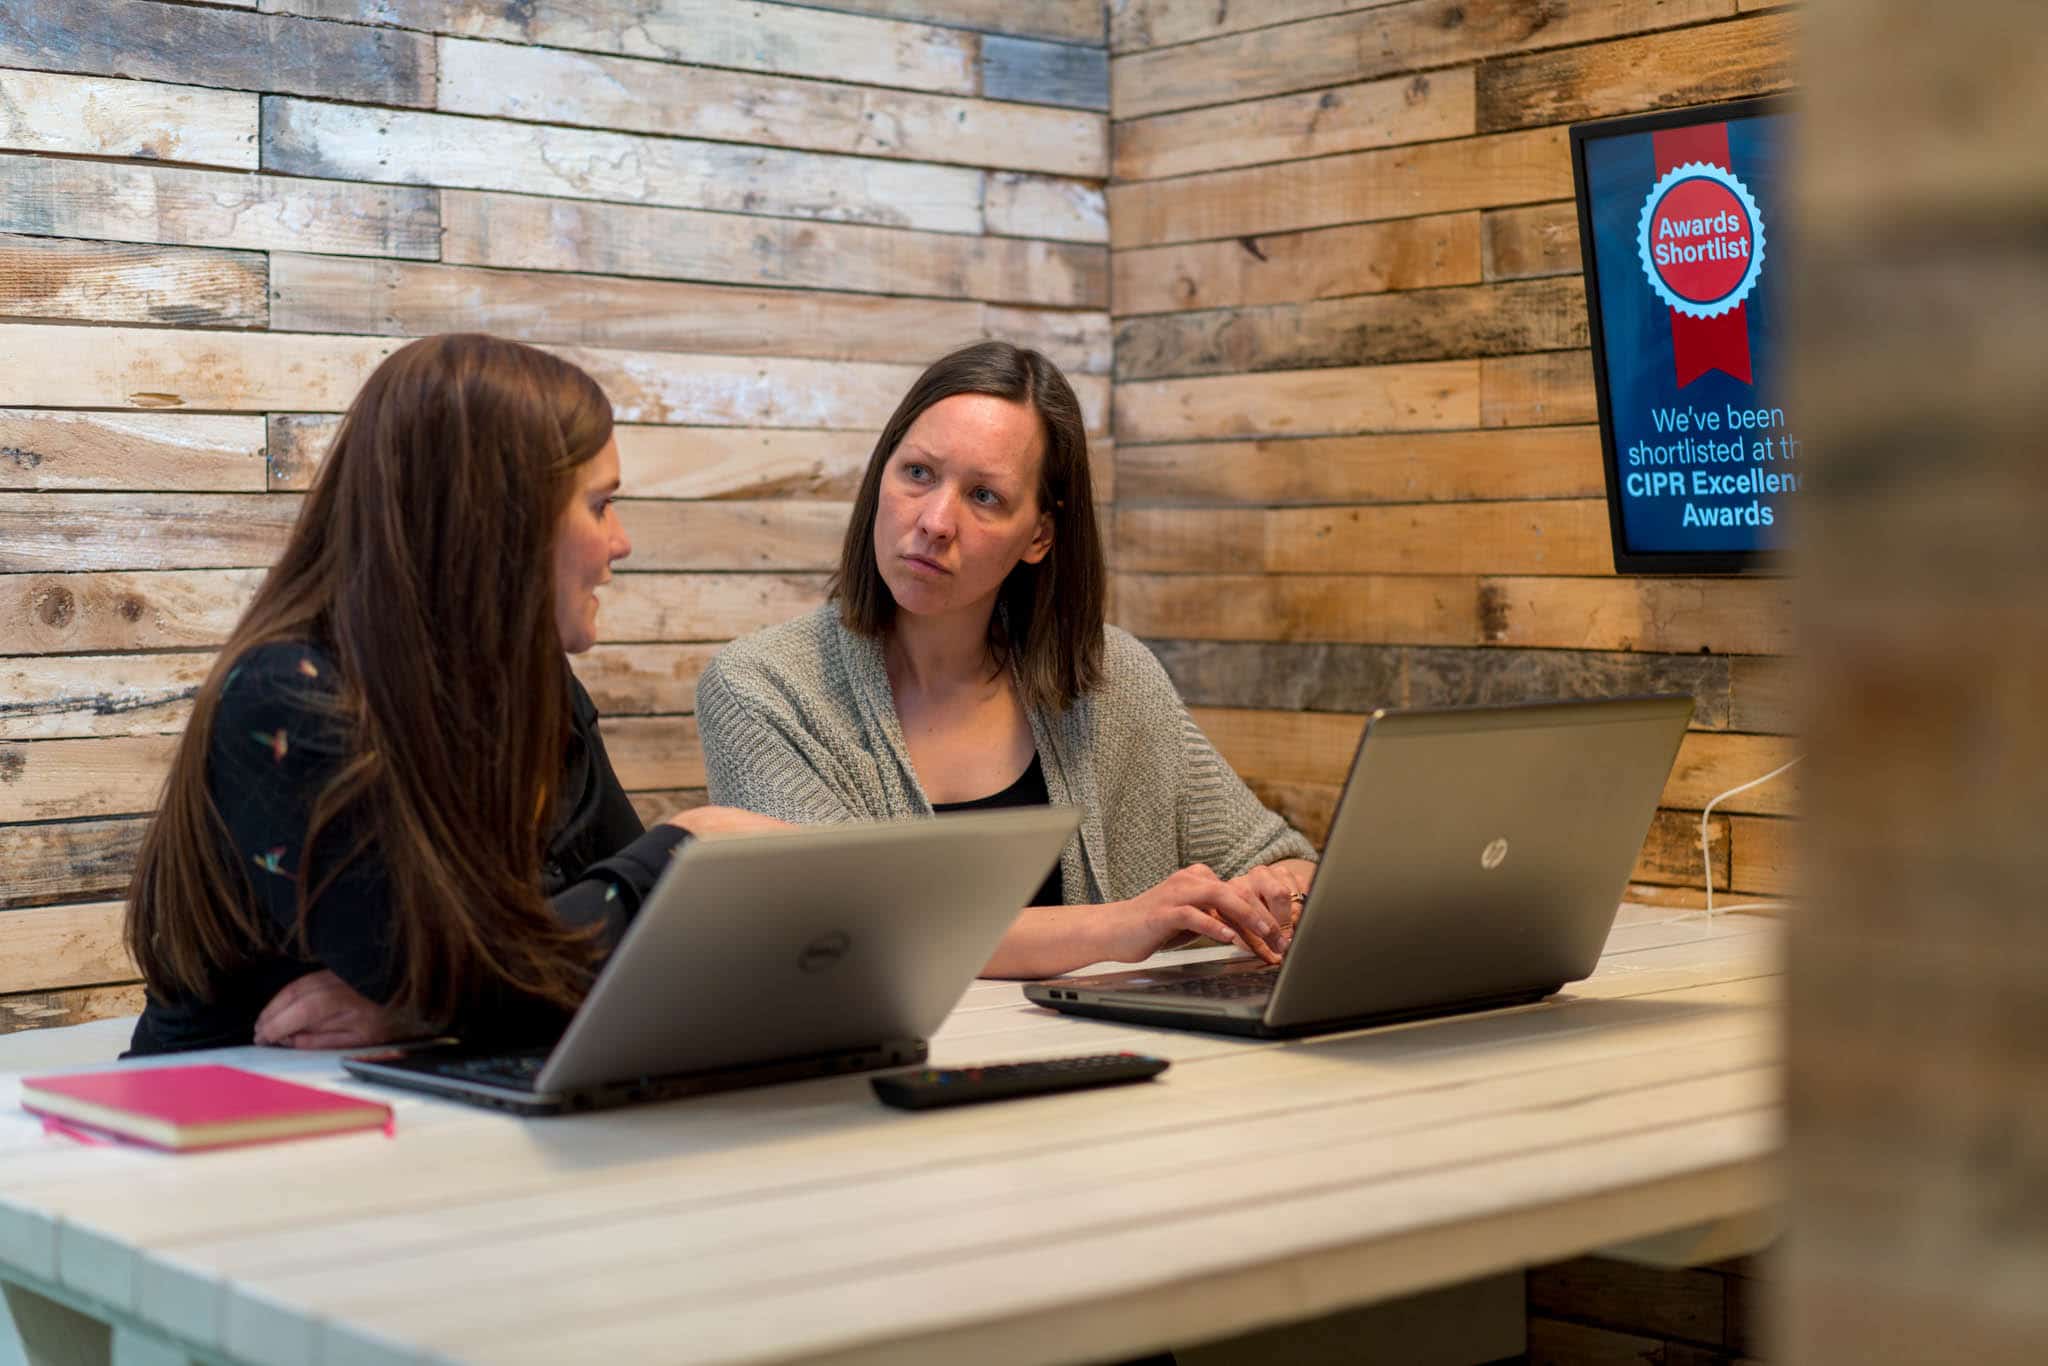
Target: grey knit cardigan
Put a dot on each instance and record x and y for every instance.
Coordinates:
(798, 722)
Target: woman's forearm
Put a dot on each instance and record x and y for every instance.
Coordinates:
(1046, 941)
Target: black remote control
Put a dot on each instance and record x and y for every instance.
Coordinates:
(933, 1087)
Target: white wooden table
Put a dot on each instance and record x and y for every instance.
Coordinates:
(1253, 1184)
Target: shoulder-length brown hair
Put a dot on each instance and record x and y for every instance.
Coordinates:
(423, 560)
(1048, 618)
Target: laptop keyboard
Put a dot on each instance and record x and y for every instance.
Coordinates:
(509, 1069)
(1236, 986)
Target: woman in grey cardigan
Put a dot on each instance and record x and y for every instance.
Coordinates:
(963, 662)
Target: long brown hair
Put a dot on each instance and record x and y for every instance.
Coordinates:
(1048, 617)
(422, 559)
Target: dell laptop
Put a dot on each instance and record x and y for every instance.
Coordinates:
(1477, 859)
(772, 957)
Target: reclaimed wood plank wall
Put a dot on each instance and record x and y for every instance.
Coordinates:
(754, 222)
(1354, 460)
(1357, 456)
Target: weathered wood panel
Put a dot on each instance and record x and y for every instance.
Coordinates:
(44, 780)
(1324, 263)
(179, 207)
(1423, 397)
(1542, 239)
(1045, 73)
(683, 244)
(1375, 41)
(1768, 695)
(1396, 182)
(709, 462)
(1664, 71)
(730, 391)
(66, 281)
(66, 860)
(654, 751)
(785, 39)
(113, 367)
(88, 116)
(348, 142)
(49, 1009)
(1560, 536)
(1020, 205)
(1417, 467)
(87, 531)
(654, 462)
(1675, 616)
(1536, 391)
(690, 607)
(1360, 678)
(218, 48)
(643, 679)
(1371, 329)
(74, 613)
(156, 451)
(294, 445)
(1671, 851)
(739, 535)
(1765, 853)
(1748, 616)
(1139, 24)
(553, 86)
(1709, 765)
(69, 696)
(1405, 610)
(1345, 118)
(1071, 21)
(63, 946)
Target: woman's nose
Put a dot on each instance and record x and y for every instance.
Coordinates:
(936, 517)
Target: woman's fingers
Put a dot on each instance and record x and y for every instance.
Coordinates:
(285, 1000)
(1260, 929)
(1201, 922)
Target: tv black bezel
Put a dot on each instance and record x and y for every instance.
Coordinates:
(1626, 561)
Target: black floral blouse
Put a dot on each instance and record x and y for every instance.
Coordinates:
(273, 750)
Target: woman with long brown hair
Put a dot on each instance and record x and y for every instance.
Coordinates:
(391, 811)
(964, 663)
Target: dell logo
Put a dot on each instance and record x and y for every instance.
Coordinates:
(1493, 855)
(824, 951)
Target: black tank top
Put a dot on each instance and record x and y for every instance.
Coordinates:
(1028, 790)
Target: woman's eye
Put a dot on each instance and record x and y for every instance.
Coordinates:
(988, 497)
(916, 471)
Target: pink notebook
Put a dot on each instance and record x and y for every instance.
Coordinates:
(203, 1106)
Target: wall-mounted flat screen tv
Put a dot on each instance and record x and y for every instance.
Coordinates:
(1682, 225)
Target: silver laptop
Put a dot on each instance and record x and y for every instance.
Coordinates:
(1477, 859)
(769, 958)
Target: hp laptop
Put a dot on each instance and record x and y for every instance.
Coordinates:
(1477, 859)
(772, 957)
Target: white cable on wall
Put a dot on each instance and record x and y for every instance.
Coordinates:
(1707, 858)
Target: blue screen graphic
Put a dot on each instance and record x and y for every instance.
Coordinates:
(1709, 464)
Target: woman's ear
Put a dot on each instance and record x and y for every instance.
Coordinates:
(1041, 540)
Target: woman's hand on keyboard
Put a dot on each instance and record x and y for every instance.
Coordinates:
(1192, 901)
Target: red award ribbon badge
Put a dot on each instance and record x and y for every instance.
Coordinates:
(1702, 245)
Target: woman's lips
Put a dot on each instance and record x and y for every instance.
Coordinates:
(925, 566)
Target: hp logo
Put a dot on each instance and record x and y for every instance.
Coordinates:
(1493, 855)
